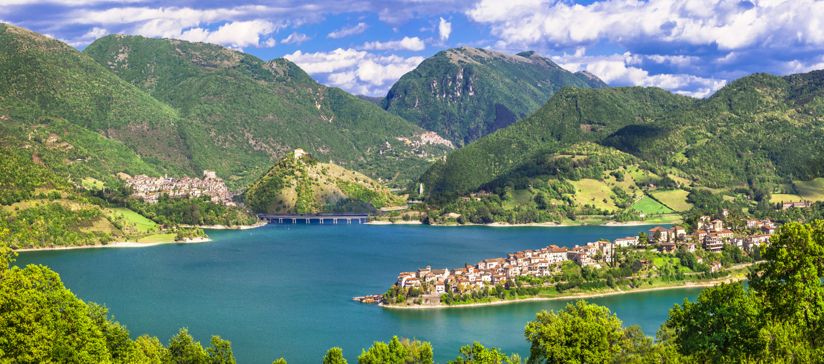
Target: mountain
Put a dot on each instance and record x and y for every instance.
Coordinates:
(466, 93)
(299, 183)
(45, 83)
(241, 113)
(758, 132)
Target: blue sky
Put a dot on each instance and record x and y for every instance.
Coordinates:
(690, 47)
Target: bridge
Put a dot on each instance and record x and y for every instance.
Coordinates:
(343, 218)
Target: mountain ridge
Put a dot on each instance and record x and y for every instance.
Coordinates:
(465, 93)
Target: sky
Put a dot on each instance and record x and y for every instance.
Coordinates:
(689, 47)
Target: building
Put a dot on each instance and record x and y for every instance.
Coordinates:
(626, 242)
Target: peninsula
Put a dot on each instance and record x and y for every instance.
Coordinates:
(660, 258)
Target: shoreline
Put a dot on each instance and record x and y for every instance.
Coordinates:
(117, 244)
(260, 223)
(531, 224)
(569, 297)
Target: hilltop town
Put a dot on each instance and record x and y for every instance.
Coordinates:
(150, 189)
(698, 254)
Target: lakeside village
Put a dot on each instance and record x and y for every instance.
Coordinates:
(150, 189)
(660, 255)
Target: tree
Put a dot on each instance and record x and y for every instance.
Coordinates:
(334, 356)
(721, 326)
(220, 351)
(397, 352)
(152, 350)
(279, 361)
(789, 281)
(185, 350)
(478, 354)
(580, 333)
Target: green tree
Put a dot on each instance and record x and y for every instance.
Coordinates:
(152, 350)
(220, 351)
(721, 326)
(580, 333)
(479, 354)
(334, 356)
(397, 352)
(185, 350)
(789, 281)
(279, 361)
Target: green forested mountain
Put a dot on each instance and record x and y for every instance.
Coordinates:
(761, 134)
(466, 93)
(241, 114)
(298, 183)
(571, 116)
(44, 81)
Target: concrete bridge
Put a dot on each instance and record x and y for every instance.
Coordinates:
(320, 219)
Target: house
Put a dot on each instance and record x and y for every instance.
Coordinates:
(666, 247)
(556, 254)
(798, 205)
(725, 234)
(679, 232)
(440, 287)
(717, 225)
(659, 234)
(713, 243)
(626, 242)
(756, 240)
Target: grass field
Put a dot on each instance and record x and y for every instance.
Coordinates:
(158, 238)
(811, 190)
(133, 222)
(647, 205)
(674, 199)
(784, 197)
(92, 184)
(593, 192)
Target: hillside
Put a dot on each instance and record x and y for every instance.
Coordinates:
(42, 79)
(757, 133)
(466, 93)
(298, 183)
(242, 114)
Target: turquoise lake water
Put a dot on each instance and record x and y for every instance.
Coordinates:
(285, 290)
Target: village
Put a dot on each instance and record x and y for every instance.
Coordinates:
(150, 189)
(710, 234)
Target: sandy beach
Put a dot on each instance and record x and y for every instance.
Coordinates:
(119, 244)
(566, 297)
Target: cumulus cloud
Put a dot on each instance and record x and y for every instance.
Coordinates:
(345, 32)
(354, 70)
(407, 43)
(619, 70)
(295, 38)
(444, 29)
(725, 24)
(236, 34)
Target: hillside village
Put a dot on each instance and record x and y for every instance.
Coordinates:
(150, 189)
(710, 235)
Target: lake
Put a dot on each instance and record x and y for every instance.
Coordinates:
(285, 290)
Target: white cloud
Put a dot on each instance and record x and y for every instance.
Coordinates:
(444, 29)
(727, 24)
(618, 70)
(356, 71)
(66, 2)
(236, 34)
(345, 32)
(296, 38)
(407, 43)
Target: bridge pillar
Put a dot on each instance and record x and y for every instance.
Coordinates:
(308, 221)
(321, 220)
